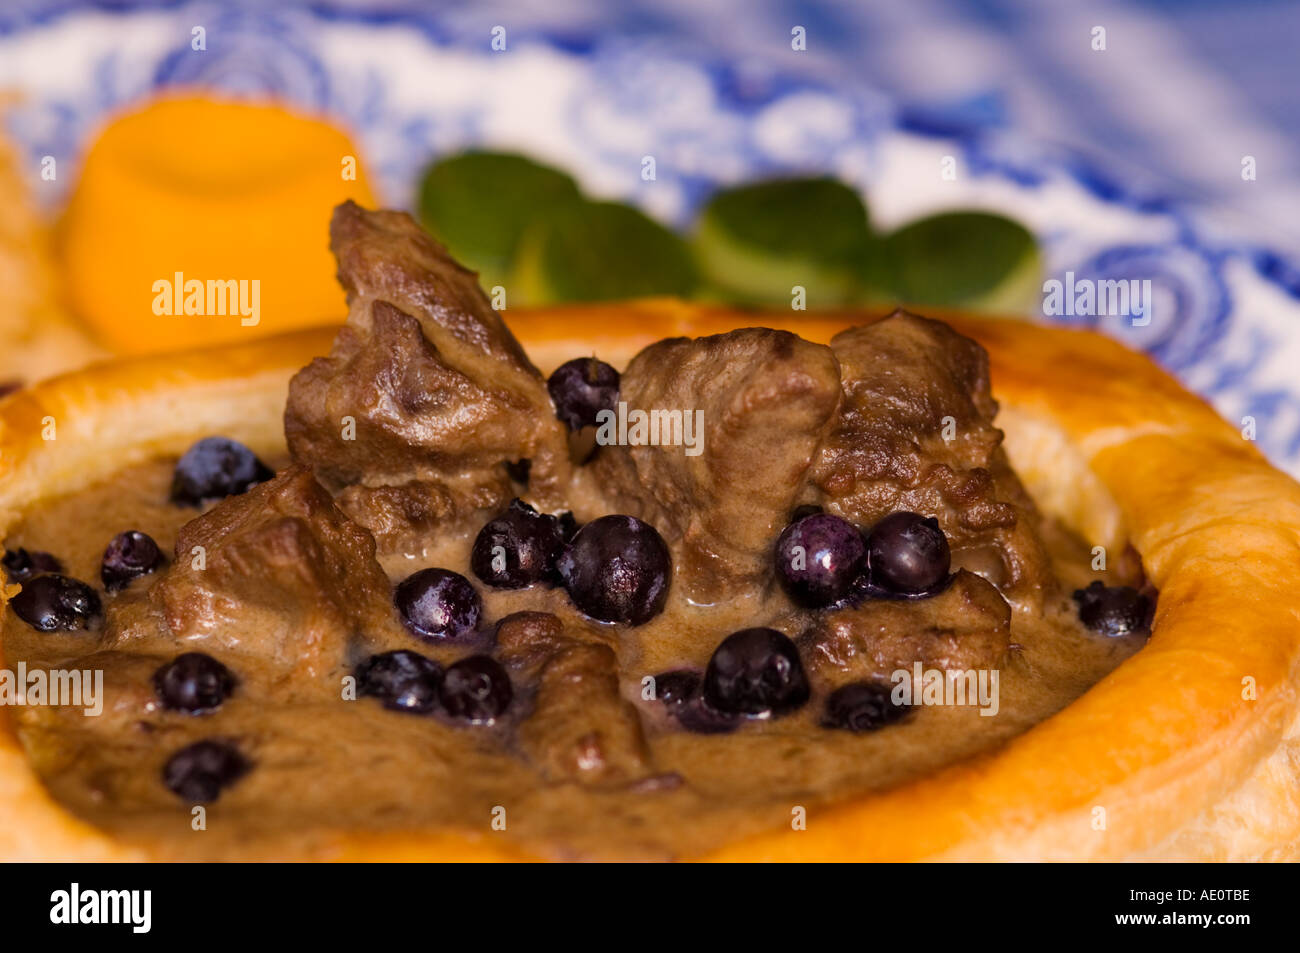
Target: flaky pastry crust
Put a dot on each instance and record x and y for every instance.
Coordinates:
(1187, 750)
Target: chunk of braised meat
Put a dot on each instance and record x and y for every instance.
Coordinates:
(766, 399)
(417, 414)
(966, 626)
(915, 432)
(580, 727)
(403, 517)
(278, 573)
(424, 388)
(525, 640)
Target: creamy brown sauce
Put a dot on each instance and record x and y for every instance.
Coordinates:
(323, 766)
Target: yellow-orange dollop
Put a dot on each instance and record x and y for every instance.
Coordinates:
(217, 192)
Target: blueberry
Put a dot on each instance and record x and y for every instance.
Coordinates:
(477, 690)
(680, 693)
(700, 718)
(52, 602)
(818, 557)
(200, 772)
(581, 389)
(402, 680)
(128, 556)
(438, 604)
(1114, 610)
(22, 564)
(215, 468)
(863, 706)
(194, 683)
(677, 687)
(617, 569)
(755, 672)
(908, 553)
(518, 548)
(862, 588)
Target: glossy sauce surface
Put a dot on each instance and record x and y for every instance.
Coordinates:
(324, 764)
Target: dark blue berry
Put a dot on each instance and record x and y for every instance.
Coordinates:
(700, 718)
(617, 569)
(438, 604)
(908, 553)
(476, 690)
(581, 389)
(755, 672)
(129, 555)
(215, 468)
(1114, 611)
(680, 692)
(22, 564)
(862, 589)
(194, 683)
(863, 706)
(676, 687)
(200, 772)
(402, 680)
(52, 602)
(818, 557)
(518, 548)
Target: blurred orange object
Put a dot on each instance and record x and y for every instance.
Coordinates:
(38, 338)
(198, 220)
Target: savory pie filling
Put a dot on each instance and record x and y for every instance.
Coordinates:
(618, 651)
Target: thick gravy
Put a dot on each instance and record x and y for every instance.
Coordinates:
(323, 765)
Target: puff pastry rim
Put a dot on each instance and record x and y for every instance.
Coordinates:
(1167, 757)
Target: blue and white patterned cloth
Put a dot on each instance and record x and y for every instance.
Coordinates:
(1126, 162)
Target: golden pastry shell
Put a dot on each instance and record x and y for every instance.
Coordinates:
(1187, 750)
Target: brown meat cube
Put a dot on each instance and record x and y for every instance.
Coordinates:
(127, 697)
(525, 640)
(915, 432)
(440, 391)
(403, 517)
(399, 514)
(581, 728)
(284, 577)
(965, 627)
(767, 398)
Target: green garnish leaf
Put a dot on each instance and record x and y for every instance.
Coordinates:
(599, 251)
(759, 241)
(479, 204)
(961, 259)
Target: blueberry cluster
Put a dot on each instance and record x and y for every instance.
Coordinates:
(475, 690)
(50, 601)
(192, 683)
(822, 559)
(615, 568)
(197, 684)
